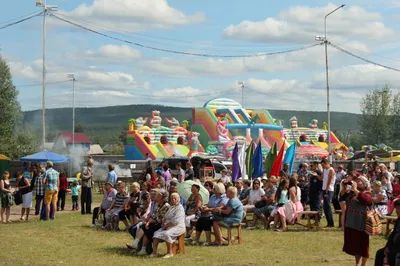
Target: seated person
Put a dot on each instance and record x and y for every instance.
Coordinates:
(205, 222)
(155, 222)
(118, 205)
(230, 214)
(392, 248)
(265, 207)
(130, 210)
(379, 198)
(108, 197)
(173, 225)
(147, 209)
(193, 209)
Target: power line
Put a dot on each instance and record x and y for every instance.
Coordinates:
(159, 96)
(118, 31)
(21, 20)
(40, 84)
(181, 52)
(362, 58)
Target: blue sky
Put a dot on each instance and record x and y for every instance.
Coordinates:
(110, 72)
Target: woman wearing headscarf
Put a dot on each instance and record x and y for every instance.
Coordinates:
(356, 241)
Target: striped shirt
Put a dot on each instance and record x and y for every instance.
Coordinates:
(39, 188)
(120, 199)
(51, 179)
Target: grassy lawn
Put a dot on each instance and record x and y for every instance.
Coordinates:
(69, 240)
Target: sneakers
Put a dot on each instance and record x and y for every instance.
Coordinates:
(187, 238)
(142, 252)
(135, 243)
(153, 256)
(168, 256)
(251, 228)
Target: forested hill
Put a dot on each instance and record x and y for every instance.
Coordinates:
(104, 124)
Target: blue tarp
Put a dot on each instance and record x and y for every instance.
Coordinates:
(45, 156)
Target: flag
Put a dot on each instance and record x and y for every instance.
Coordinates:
(290, 155)
(249, 156)
(277, 166)
(269, 161)
(242, 160)
(257, 162)
(235, 164)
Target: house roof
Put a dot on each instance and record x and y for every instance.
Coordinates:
(95, 149)
(80, 138)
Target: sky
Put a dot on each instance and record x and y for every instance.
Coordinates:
(115, 72)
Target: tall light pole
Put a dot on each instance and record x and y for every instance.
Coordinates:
(241, 84)
(328, 104)
(46, 9)
(72, 77)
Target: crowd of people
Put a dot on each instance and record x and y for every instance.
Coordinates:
(154, 211)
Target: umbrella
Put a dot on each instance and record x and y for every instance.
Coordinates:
(45, 156)
(185, 190)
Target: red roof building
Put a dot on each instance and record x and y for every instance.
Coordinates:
(64, 140)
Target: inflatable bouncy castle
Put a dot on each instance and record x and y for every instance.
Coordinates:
(217, 127)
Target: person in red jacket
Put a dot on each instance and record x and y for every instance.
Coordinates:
(62, 191)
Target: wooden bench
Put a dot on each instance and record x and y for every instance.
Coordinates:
(238, 237)
(389, 220)
(310, 214)
(340, 217)
(179, 245)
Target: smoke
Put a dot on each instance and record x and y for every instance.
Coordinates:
(79, 159)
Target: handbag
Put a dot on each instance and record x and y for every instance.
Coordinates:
(18, 198)
(373, 223)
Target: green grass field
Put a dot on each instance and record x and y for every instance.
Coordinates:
(69, 240)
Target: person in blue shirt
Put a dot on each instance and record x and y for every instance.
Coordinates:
(231, 214)
(112, 176)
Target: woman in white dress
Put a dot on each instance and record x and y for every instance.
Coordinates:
(173, 226)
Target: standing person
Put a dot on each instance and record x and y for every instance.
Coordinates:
(6, 197)
(328, 187)
(75, 195)
(224, 177)
(356, 241)
(24, 186)
(393, 244)
(315, 188)
(112, 177)
(189, 173)
(166, 174)
(181, 173)
(346, 187)
(285, 171)
(62, 191)
(39, 190)
(340, 175)
(87, 184)
(51, 183)
(151, 177)
(147, 157)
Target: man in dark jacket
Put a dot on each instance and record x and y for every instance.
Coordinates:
(392, 248)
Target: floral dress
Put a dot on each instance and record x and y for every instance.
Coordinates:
(382, 206)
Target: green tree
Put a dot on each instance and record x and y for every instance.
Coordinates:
(377, 115)
(12, 144)
(79, 128)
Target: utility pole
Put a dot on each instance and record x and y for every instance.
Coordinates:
(241, 84)
(46, 9)
(328, 104)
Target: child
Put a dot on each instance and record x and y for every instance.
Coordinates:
(75, 195)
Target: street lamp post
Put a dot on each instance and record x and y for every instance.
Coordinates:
(46, 9)
(328, 104)
(72, 77)
(241, 84)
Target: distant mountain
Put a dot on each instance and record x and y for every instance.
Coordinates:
(102, 121)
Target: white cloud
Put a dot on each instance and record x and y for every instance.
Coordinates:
(133, 16)
(300, 24)
(111, 54)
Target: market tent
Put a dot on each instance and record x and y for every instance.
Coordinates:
(45, 156)
(4, 164)
(310, 150)
(373, 153)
